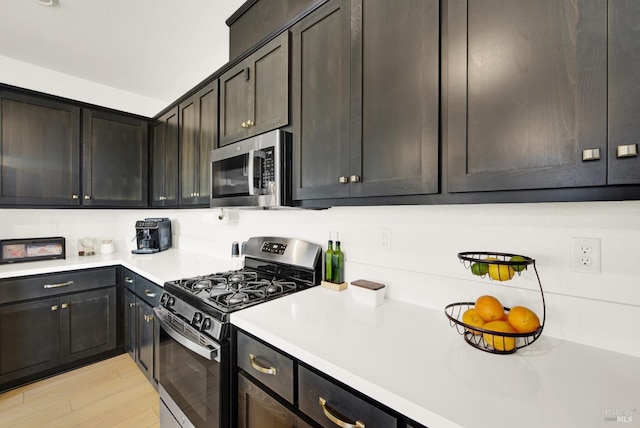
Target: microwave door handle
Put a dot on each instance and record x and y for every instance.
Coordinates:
(252, 190)
(253, 154)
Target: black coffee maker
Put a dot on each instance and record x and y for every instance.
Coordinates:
(152, 235)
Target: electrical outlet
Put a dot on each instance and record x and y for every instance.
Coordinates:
(384, 239)
(585, 255)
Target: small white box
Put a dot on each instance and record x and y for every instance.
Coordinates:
(367, 293)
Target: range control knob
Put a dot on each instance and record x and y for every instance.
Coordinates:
(163, 299)
(206, 324)
(197, 318)
(170, 302)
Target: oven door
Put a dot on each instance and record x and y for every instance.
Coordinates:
(193, 376)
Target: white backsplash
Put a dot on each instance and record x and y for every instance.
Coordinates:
(421, 267)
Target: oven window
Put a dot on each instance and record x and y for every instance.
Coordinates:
(193, 382)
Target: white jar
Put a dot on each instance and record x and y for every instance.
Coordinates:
(106, 246)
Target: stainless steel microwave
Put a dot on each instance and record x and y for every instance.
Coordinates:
(255, 172)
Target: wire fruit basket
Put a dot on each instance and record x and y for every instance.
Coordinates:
(500, 267)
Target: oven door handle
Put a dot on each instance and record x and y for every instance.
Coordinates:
(203, 351)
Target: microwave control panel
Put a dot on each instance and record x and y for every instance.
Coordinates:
(269, 171)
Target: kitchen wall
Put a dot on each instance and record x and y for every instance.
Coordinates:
(421, 266)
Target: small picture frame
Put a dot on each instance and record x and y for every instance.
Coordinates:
(27, 250)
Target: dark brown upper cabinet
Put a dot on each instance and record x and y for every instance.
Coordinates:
(527, 94)
(164, 160)
(254, 94)
(115, 153)
(39, 151)
(624, 92)
(320, 102)
(365, 99)
(198, 136)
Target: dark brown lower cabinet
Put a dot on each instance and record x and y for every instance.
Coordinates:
(87, 324)
(54, 321)
(141, 332)
(257, 409)
(29, 338)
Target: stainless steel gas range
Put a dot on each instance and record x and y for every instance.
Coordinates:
(194, 355)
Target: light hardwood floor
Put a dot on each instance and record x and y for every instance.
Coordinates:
(112, 393)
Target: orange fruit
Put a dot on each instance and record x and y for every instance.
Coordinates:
(523, 320)
(471, 317)
(499, 342)
(489, 308)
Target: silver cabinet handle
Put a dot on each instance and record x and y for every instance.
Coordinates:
(87, 197)
(260, 368)
(343, 179)
(244, 125)
(60, 284)
(590, 154)
(54, 307)
(337, 421)
(132, 305)
(148, 318)
(128, 280)
(355, 179)
(627, 151)
(65, 305)
(74, 196)
(148, 293)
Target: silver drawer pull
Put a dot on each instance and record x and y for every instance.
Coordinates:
(128, 280)
(355, 179)
(260, 368)
(65, 305)
(590, 154)
(60, 284)
(132, 305)
(627, 151)
(343, 179)
(148, 293)
(339, 422)
(148, 318)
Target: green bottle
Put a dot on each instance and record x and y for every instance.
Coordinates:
(328, 261)
(338, 263)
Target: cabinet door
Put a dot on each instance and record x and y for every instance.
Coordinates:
(235, 103)
(145, 346)
(320, 102)
(527, 94)
(624, 93)
(164, 164)
(256, 409)
(87, 324)
(115, 160)
(198, 136)
(270, 69)
(39, 151)
(29, 337)
(130, 336)
(394, 136)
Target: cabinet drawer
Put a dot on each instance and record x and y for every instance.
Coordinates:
(33, 287)
(148, 291)
(338, 404)
(266, 365)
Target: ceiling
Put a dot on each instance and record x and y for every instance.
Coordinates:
(152, 49)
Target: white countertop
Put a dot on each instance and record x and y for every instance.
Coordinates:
(410, 359)
(159, 267)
